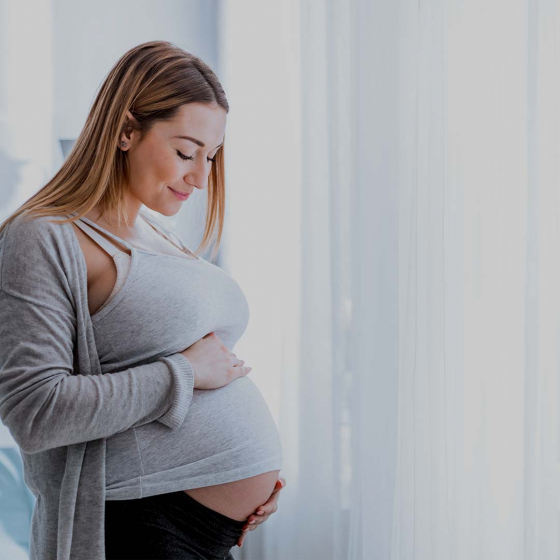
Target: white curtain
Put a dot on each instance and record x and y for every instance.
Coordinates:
(394, 214)
(478, 243)
(29, 155)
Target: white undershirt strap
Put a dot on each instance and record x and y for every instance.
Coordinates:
(98, 238)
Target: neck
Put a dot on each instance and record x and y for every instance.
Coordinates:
(109, 218)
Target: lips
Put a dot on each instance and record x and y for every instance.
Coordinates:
(179, 194)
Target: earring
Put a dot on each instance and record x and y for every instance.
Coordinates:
(123, 144)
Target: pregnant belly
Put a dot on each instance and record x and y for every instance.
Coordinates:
(226, 454)
(237, 499)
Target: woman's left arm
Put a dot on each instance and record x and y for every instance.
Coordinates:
(263, 512)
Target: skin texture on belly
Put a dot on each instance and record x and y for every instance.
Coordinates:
(237, 499)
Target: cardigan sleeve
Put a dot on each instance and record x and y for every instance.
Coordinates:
(43, 401)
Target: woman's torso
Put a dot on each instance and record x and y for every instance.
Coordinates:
(160, 305)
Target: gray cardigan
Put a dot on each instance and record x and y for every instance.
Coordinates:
(54, 399)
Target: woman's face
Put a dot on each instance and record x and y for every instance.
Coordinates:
(157, 165)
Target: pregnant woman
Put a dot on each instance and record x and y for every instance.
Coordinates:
(141, 434)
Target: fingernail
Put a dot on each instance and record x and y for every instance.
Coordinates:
(251, 522)
(260, 512)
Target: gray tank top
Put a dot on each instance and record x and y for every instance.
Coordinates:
(160, 305)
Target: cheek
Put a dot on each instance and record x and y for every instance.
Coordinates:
(169, 169)
(163, 170)
(153, 169)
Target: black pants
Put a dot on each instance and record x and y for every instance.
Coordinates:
(169, 526)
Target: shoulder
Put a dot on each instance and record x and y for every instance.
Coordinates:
(28, 236)
(34, 234)
(27, 225)
(36, 253)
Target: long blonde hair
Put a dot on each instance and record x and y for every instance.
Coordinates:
(152, 81)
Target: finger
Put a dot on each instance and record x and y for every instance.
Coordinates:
(272, 503)
(258, 521)
(270, 506)
(238, 361)
(248, 528)
(277, 489)
(240, 540)
(264, 512)
(280, 483)
(256, 518)
(266, 509)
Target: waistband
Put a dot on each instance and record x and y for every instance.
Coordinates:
(184, 511)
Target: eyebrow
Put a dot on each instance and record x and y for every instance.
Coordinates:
(198, 142)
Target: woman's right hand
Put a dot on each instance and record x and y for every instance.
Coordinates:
(213, 364)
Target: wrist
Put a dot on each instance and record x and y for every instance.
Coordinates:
(195, 378)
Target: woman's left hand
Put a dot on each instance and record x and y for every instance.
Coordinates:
(254, 520)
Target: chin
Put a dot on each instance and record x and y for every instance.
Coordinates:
(165, 210)
(171, 211)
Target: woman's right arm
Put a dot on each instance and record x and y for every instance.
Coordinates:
(45, 404)
(44, 401)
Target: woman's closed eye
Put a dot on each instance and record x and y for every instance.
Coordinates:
(182, 156)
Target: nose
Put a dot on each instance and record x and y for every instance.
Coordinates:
(198, 176)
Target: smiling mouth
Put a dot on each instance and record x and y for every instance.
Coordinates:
(179, 192)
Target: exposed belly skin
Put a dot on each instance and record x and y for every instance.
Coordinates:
(237, 499)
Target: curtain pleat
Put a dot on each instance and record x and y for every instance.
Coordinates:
(427, 361)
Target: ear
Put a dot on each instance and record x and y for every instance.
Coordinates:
(128, 134)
